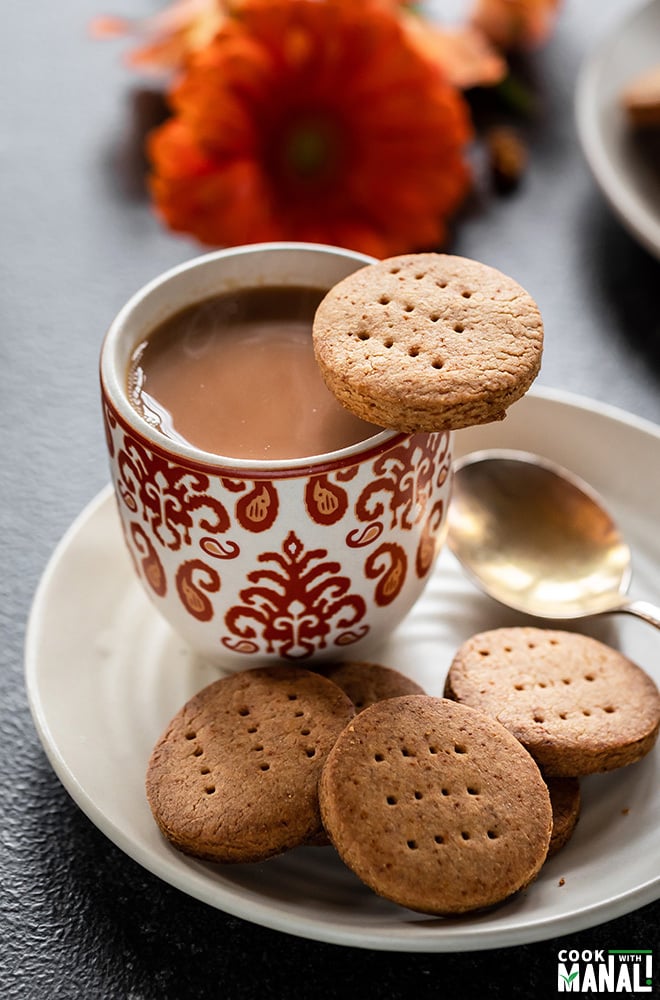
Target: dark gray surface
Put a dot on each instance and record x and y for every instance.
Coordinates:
(77, 918)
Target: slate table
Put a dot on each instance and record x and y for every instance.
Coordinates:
(79, 919)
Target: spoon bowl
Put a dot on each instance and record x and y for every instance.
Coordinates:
(539, 539)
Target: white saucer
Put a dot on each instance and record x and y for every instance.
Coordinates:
(622, 167)
(104, 676)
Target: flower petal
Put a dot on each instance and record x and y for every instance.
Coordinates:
(516, 24)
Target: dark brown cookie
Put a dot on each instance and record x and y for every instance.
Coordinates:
(565, 800)
(234, 777)
(428, 342)
(577, 705)
(435, 806)
(366, 683)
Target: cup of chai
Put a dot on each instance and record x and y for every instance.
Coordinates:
(265, 522)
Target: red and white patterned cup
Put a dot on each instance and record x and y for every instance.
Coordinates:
(258, 561)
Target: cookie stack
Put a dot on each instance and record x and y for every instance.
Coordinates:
(444, 805)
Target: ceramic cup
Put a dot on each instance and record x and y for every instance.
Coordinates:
(258, 561)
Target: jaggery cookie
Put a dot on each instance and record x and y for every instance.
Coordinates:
(577, 705)
(565, 799)
(428, 342)
(435, 806)
(234, 776)
(366, 683)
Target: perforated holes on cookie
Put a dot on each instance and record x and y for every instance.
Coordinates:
(196, 751)
(298, 713)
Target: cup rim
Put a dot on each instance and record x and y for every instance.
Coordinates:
(115, 392)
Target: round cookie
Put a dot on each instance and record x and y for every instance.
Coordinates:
(565, 800)
(428, 342)
(366, 683)
(435, 806)
(578, 706)
(234, 776)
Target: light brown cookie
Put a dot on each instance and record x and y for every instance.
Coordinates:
(435, 806)
(366, 683)
(565, 800)
(428, 342)
(234, 776)
(577, 705)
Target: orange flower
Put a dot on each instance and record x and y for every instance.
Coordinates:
(316, 121)
(516, 24)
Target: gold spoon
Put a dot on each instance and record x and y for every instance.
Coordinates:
(538, 539)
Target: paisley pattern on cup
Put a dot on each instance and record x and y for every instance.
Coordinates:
(289, 565)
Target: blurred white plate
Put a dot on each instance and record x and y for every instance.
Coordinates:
(104, 676)
(627, 175)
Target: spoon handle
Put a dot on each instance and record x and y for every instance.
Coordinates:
(642, 609)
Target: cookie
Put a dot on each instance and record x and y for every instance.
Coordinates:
(435, 806)
(641, 99)
(428, 342)
(366, 683)
(565, 800)
(577, 705)
(234, 776)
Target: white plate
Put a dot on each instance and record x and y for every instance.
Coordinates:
(627, 174)
(105, 674)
